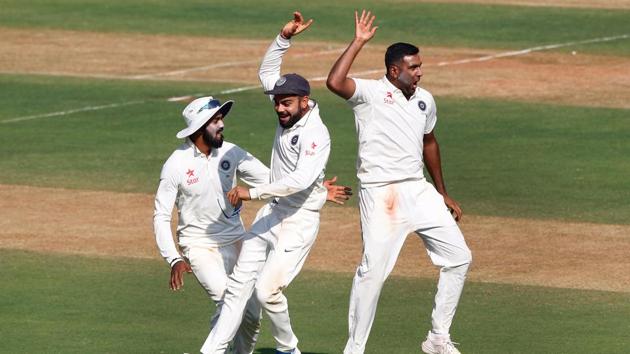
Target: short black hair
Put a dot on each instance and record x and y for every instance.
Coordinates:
(397, 51)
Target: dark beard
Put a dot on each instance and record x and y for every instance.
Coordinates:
(294, 118)
(212, 142)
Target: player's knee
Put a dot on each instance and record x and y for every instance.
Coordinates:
(215, 292)
(268, 295)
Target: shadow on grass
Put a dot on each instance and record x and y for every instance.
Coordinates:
(273, 351)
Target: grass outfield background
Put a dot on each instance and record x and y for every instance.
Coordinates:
(432, 24)
(501, 158)
(61, 304)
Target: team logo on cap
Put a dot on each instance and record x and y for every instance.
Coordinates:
(225, 165)
(294, 140)
(281, 81)
(422, 105)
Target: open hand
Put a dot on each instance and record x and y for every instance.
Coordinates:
(363, 30)
(295, 26)
(336, 193)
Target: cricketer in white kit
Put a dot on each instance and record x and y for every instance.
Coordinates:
(285, 229)
(196, 178)
(395, 121)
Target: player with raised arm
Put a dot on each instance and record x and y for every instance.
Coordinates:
(285, 229)
(196, 179)
(395, 121)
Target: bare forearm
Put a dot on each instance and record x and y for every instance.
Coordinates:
(433, 164)
(338, 81)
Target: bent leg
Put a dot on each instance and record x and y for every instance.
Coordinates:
(239, 290)
(447, 249)
(292, 244)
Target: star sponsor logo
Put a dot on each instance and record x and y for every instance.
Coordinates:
(389, 98)
(312, 151)
(192, 179)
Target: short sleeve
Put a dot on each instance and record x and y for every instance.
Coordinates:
(431, 116)
(361, 92)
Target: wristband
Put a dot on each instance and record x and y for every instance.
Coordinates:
(174, 261)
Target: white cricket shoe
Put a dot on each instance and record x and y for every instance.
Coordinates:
(439, 344)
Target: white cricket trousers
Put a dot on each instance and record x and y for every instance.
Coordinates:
(272, 255)
(211, 266)
(388, 214)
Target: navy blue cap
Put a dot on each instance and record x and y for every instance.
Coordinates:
(290, 84)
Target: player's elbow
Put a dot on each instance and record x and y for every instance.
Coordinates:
(333, 84)
(339, 86)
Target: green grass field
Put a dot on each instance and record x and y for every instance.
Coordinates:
(63, 304)
(501, 158)
(467, 25)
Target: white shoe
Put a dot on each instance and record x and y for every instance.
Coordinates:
(439, 344)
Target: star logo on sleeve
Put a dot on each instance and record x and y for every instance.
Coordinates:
(312, 151)
(190, 172)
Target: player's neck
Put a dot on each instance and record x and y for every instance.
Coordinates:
(399, 85)
(202, 146)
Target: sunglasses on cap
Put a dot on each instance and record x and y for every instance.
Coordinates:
(212, 104)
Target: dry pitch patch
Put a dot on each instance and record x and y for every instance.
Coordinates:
(584, 80)
(505, 250)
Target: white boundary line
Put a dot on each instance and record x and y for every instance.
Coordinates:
(63, 113)
(502, 55)
(319, 78)
(228, 64)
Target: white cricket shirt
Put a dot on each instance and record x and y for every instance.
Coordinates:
(300, 153)
(197, 184)
(390, 131)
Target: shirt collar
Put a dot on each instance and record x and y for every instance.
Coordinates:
(195, 149)
(395, 89)
(389, 84)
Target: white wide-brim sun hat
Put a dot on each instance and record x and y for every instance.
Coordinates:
(199, 111)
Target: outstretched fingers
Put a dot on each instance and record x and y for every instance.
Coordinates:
(364, 29)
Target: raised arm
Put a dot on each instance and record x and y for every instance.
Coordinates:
(338, 80)
(269, 71)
